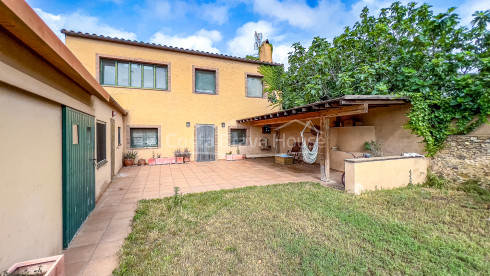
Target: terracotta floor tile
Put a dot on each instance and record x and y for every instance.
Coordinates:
(92, 226)
(101, 266)
(79, 253)
(86, 238)
(106, 249)
(75, 269)
(124, 214)
(115, 234)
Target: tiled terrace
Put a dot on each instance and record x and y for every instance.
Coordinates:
(94, 249)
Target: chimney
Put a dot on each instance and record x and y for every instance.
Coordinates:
(265, 51)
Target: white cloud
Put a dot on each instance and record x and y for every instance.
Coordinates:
(214, 13)
(202, 40)
(280, 54)
(83, 23)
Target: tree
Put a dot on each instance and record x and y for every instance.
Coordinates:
(407, 50)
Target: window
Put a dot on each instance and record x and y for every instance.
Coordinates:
(101, 142)
(254, 87)
(129, 74)
(74, 134)
(144, 137)
(119, 136)
(238, 137)
(205, 81)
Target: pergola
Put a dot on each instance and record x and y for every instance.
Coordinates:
(343, 106)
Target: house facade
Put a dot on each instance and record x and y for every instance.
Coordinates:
(178, 98)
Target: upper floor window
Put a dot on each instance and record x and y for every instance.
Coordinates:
(131, 74)
(205, 81)
(254, 87)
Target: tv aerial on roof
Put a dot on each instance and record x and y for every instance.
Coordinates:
(258, 40)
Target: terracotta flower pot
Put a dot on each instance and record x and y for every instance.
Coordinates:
(172, 160)
(50, 266)
(151, 161)
(141, 162)
(179, 160)
(128, 162)
(229, 157)
(187, 159)
(160, 161)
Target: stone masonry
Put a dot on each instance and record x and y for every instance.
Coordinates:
(464, 157)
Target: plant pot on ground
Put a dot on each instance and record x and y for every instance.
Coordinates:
(229, 156)
(152, 161)
(187, 155)
(128, 158)
(179, 156)
(50, 266)
(160, 160)
(141, 162)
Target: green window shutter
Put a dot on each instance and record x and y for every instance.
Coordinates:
(205, 81)
(254, 87)
(135, 75)
(108, 72)
(148, 76)
(161, 77)
(123, 73)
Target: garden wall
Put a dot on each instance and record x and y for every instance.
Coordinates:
(464, 157)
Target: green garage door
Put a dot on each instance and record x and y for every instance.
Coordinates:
(78, 170)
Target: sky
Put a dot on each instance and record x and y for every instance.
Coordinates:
(225, 27)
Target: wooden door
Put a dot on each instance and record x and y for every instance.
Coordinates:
(78, 135)
(205, 147)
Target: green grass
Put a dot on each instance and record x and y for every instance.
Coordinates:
(307, 229)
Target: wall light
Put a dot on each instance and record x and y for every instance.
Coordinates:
(188, 124)
(222, 124)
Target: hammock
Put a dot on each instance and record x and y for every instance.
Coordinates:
(309, 156)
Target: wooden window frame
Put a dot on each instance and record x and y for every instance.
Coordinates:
(98, 76)
(128, 136)
(255, 75)
(247, 135)
(201, 68)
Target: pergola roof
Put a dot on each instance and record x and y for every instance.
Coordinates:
(343, 106)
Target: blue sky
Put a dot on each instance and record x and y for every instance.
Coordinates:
(225, 27)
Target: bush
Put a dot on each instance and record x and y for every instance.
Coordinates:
(436, 182)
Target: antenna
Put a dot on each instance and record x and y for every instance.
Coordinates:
(258, 40)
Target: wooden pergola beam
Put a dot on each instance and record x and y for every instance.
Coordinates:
(341, 111)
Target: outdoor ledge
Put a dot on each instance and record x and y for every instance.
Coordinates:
(384, 158)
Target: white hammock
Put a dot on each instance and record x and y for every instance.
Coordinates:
(309, 156)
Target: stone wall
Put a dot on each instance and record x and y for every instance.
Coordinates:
(464, 157)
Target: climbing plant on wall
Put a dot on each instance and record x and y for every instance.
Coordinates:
(441, 66)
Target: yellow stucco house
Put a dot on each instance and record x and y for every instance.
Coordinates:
(178, 98)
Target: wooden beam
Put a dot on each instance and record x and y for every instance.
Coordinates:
(341, 111)
(325, 149)
(344, 102)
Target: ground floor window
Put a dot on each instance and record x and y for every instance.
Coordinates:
(144, 137)
(238, 137)
(101, 141)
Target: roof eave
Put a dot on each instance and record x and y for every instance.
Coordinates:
(164, 47)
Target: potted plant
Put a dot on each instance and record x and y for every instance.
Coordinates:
(160, 160)
(187, 155)
(375, 148)
(141, 162)
(179, 156)
(128, 158)
(238, 156)
(50, 266)
(152, 160)
(229, 156)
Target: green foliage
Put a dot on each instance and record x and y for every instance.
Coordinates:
(436, 182)
(130, 155)
(477, 189)
(441, 66)
(375, 148)
(251, 57)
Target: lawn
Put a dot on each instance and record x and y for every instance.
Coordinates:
(307, 229)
